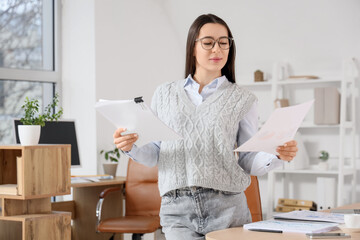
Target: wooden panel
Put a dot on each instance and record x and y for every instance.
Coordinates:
(10, 230)
(85, 222)
(47, 171)
(8, 166)
(19, 207)
(54, 227)
(65, 206)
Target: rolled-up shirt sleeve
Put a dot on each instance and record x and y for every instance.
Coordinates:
(147, 155)
(254, 163)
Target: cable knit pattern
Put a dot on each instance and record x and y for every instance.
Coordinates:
(205, 156)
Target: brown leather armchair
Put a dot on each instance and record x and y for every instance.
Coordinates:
(143, 203)
(142, 200)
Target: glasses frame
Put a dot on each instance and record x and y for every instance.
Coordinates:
(215, 41)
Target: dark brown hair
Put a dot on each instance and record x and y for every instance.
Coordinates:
(229, 69)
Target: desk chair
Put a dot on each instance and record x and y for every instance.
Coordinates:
(253, 199)
(142, 200)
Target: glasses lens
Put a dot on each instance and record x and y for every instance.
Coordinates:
(207, 43)
(224, 43)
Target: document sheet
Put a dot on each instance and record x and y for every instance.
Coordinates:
(292, 226)
(278, 129)
(136, 118)
(311, 216)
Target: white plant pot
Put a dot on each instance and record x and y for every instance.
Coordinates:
(29, 134)
(323, 166)
(110, 168)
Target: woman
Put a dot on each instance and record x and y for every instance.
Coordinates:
(201, 181)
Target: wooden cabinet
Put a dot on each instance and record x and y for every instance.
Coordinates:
(29, 176)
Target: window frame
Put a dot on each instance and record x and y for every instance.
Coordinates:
(53, 76)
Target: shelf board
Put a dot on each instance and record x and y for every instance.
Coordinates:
(308, 81)
(347, 171)
(336, 81)
(255, 84)
(19, 218)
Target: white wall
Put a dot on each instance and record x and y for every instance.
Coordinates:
(120, 49)
(78, 77)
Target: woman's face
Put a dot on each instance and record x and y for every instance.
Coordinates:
(212, 60)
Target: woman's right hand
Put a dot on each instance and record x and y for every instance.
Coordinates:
(124, 142)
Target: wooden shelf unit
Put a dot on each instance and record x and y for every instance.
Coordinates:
(37, 172)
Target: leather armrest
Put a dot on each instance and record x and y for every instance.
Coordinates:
(106, 191)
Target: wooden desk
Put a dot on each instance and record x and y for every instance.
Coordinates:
(83, 206)
(240, 233)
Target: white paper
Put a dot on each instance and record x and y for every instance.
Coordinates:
(136, 118)
(311, 216)
(292, 226)
(278, 129)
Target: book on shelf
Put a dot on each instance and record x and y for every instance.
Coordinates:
(8, 189)
(282, 208)
(297, 202)
(327, 105)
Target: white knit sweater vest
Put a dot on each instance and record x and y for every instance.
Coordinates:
(205, 157)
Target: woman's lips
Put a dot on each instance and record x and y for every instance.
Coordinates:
(215, 59)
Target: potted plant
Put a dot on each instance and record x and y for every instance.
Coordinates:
(113, 156)
(29, 132)
(323, 164)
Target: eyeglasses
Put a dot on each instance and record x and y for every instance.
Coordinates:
(208, 43)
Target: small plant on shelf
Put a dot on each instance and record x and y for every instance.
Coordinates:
(29, 132)
(32, 112)
(323, 164)
(324, 156)
(112, 155)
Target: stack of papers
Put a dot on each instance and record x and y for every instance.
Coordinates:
(136, 118)
(90, 178)
(299, 221)
(312, 216)
(292, 226)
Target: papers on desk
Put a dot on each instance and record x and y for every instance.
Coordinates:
(90, 178)
(292, 226)
(278, 129)
(136, 117)
(311, 216)
(300, 221)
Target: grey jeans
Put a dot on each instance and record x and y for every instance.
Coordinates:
(191, 212)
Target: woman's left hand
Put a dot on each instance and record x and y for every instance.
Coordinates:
(288, 151)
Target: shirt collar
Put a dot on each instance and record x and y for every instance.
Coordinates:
(216, 83)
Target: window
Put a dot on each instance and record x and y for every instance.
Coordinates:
(29, 59)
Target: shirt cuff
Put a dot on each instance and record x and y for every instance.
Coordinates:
(132, 151)
(264, 162)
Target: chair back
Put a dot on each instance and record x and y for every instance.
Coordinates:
(253, 199)
(143, 197)
(141, 190)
